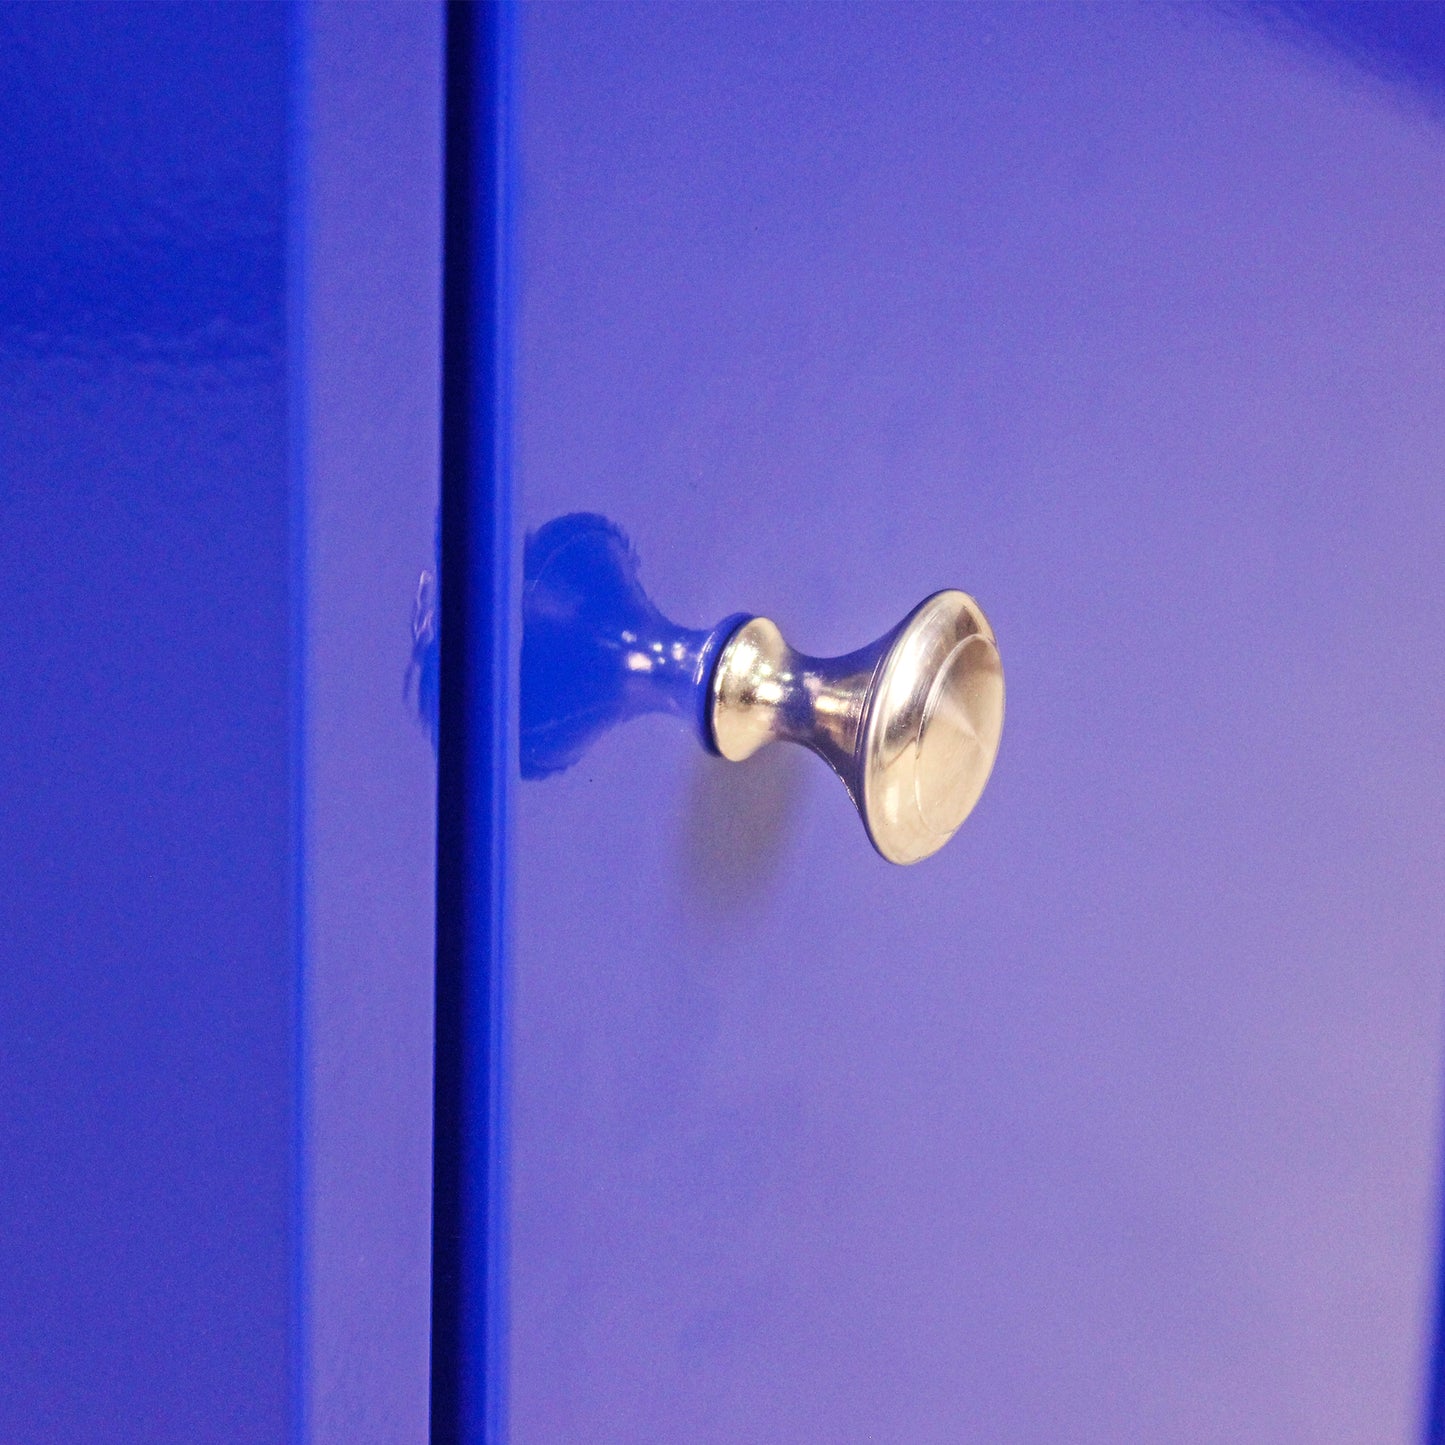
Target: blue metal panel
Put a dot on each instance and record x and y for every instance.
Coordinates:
(218, 421)
(149, 956)
(1117, 1120)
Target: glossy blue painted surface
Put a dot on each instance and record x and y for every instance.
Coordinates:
(149, 959)
(217, 486)
(1119, 1118)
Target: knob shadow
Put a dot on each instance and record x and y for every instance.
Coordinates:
(738, 823)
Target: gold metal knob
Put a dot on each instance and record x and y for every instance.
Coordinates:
(910, 723)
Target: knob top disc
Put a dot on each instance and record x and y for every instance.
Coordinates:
(932, 728)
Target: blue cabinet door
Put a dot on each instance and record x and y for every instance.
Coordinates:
(220, 259)
(1118, 1118)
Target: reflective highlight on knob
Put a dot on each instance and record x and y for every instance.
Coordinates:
(911, 723)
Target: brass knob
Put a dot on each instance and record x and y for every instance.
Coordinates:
(910, 723)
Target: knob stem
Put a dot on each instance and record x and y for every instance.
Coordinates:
(765, 691)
